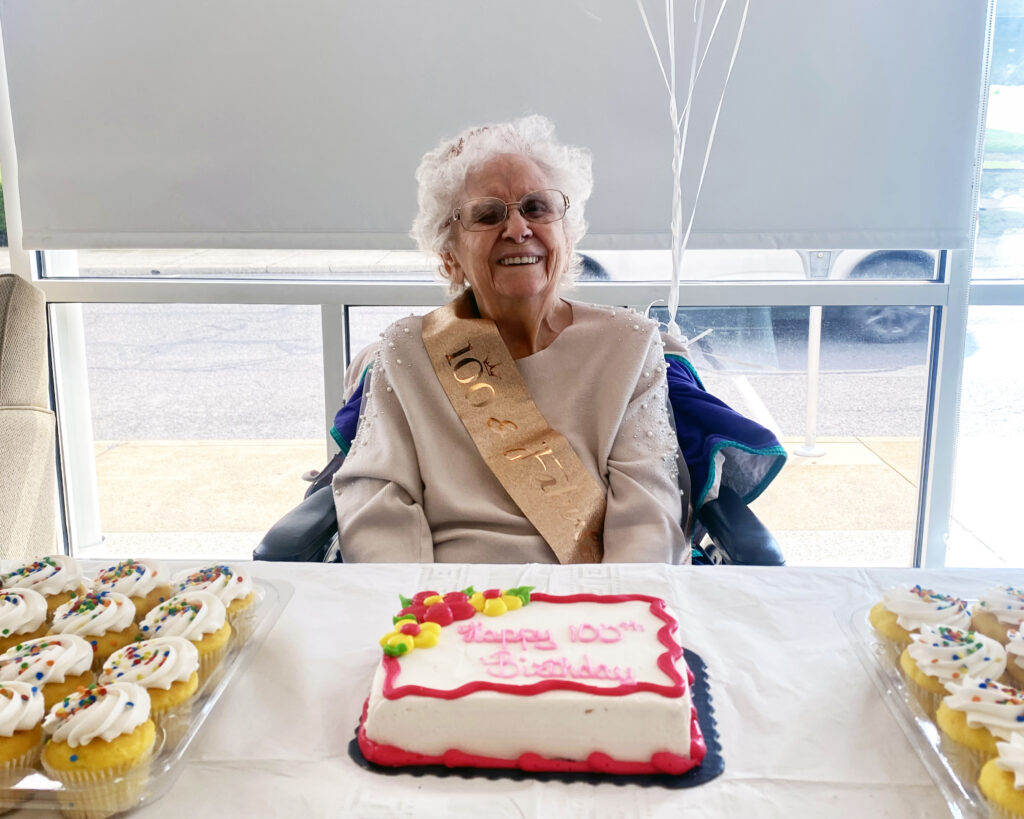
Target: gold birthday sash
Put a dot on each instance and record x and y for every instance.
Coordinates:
(534, 463)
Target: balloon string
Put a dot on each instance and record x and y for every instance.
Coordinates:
(681, 124)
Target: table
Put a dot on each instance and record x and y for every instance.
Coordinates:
(803, 730)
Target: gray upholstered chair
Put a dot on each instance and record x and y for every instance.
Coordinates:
(27, 459)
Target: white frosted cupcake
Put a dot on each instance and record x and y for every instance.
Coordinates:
(999, 610)
(57, 663)
(233, 587)
(55, 577)
(200, 618)
(21, 737)
(1002, 780)
(168, 668)
(942, 655)
(22, 617)
(146, 582)
(973, 718)
(101, 740)
(904, 610)
(105, 619)
(1015, 658)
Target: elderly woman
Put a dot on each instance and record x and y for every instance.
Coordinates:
(512, 425)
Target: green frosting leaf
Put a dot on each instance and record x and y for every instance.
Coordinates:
(406, 602)
(522, 592)
(469, 591)
(400, 617)
(396, 650)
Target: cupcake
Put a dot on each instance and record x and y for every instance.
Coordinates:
(999, 611)
(146, 582)
(1002, 780)
(100, 743)
(22, 617)
(168, 668)
(232, 586)
(21, 737)
(57, 663)
(1015, 658)
(57, 578)
(105, 619)
(200, 618)
(941, 655)
(904, 610)
(973, 718)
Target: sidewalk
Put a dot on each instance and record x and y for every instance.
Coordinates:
(854, 506)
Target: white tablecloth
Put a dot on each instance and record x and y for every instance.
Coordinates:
(803, 730)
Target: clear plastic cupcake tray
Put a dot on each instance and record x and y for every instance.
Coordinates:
(31, 789)
(963, 798)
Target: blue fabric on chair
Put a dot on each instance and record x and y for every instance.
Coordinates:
(713, 436)
(347, 418)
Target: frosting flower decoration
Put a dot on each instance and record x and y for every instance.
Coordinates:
(495, 602)
(408, 635)
(431, 607)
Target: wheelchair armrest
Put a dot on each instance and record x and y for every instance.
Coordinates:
(737, 531)
(303, 534)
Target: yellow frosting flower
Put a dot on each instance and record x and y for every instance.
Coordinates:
(495, 602)
(407, 635)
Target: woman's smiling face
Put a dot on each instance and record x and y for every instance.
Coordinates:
(518, 260)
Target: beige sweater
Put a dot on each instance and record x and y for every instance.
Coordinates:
(414, 488)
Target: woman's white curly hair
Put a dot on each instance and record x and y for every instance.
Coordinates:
(442, 177)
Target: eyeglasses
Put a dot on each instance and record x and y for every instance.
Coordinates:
(489, 212)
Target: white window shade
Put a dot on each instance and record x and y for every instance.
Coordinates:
(228, 123)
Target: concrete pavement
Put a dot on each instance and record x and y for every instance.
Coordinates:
(853, 506)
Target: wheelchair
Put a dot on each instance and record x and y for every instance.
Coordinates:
(712, 438)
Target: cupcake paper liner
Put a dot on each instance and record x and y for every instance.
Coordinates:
(929, 700)
(999, 812)
(243, 622)
(966, 761)
(174, 722)
(209, 663)
(11, 773)
(893, 649)
(98, 794)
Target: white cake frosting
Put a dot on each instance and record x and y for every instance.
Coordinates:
(93, 614)
(52, 658)
(98, 712)
(22, 611)
(228, 583)
(135, 578)
(1011, 758)
(987, 704)
(191, 615)
(1005, 603)
(950, 654)
(915, 607)
(1015, 649)
(156, 663)
(48, 575)
(21, 707)
(461, 693)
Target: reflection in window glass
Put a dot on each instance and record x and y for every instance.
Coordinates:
(999, 253)
(763, 265)
(365, 324)
(204, 418)
(348, 265)
(855, 502)
(985, 530)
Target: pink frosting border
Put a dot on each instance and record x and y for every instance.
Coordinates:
(666, 661)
